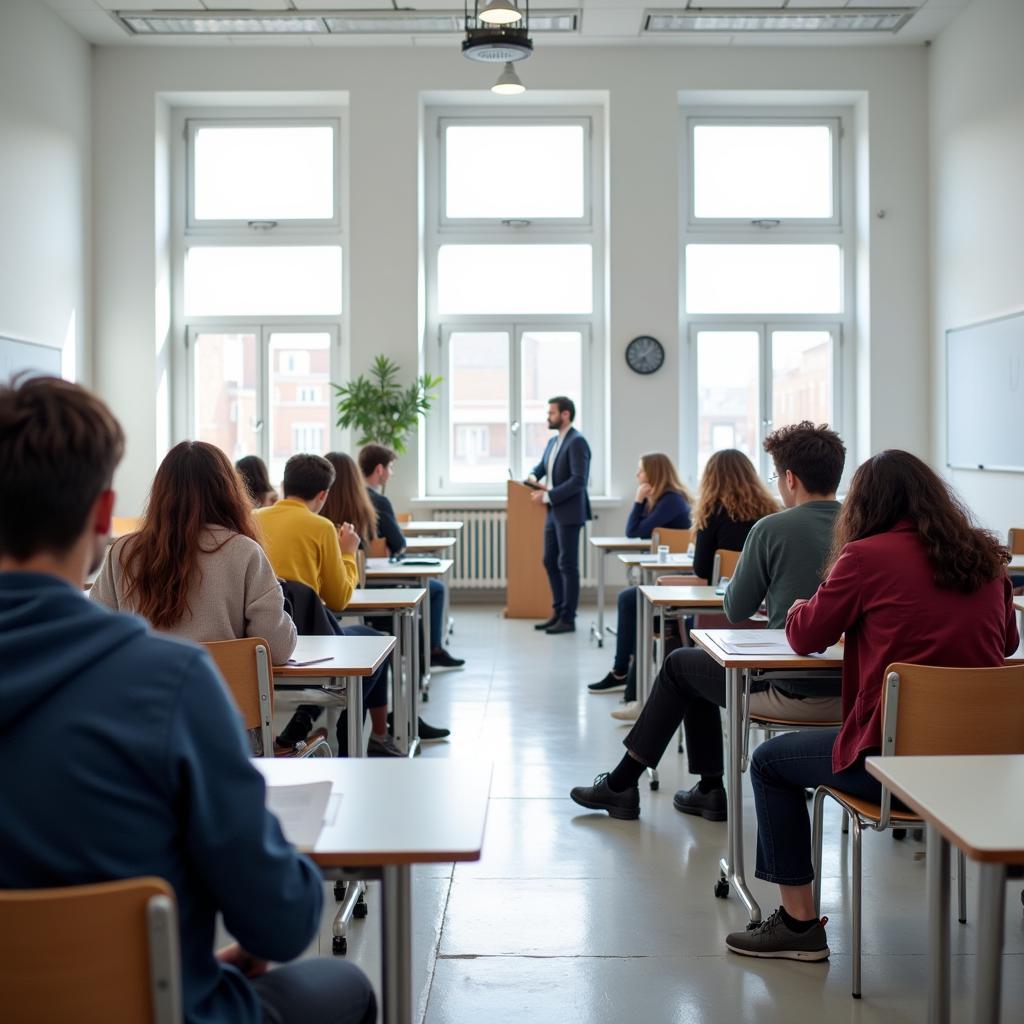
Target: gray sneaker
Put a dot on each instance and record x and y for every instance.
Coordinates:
(382, 748)
(773, 939)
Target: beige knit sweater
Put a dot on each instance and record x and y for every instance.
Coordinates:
(234, 593)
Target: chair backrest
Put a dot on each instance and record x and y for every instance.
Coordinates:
(678, 581)
(93, 954)
(245, 666)
(1015, 540)
(725, 565)
(404, 517)
(377, 548)
(361, 567)
(677, 540)
(121, 525)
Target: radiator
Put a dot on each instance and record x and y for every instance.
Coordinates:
(480, 550)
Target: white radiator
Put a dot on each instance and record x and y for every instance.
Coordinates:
(480, 550)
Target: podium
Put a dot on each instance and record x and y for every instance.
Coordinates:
(528, 594)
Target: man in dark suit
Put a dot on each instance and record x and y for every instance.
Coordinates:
(565, 465)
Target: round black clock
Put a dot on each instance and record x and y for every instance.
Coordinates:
(645, 354)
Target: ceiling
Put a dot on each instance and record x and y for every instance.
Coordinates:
(604, 22)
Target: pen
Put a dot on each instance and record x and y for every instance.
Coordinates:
(312, 661)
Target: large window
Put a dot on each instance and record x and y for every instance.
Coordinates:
(766, 278)
(514, 292)
(260, 283)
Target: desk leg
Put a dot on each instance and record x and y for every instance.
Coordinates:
(644, 678)
(991, 908)
(399, 705)
(732, 867)
(396, 942)
(937, 866)
(411, 690)
(424, 683)
(354, 703)
(599, 631)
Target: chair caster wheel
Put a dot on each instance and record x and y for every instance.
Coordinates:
(360, 910)
(339, 945)
(722, 888)
(655, 784)
(340, 889)
(899, 833)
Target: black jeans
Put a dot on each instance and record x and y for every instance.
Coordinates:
(780, 770)
(562, 562)
(625, 637)
(317, 990)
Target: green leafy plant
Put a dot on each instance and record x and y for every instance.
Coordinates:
(380, 409)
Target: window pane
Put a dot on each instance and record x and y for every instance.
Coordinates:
(264, 173)
(514, 171)
(552, 364)
(300, 396)
(756, 171)
(763, 279)
(225, 403)
(727, 393)
(801, 377)
(515, 279)
(296, 280)
(478, 387)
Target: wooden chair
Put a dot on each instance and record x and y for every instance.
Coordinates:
(245, 666)
(121, 525)
(404, 517)
(678, 541)
(361, 567)
(92, 954)
(1015, 540)
(725, 565)
(377, 548)
(927, 710)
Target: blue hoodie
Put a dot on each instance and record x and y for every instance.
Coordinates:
(121, 755)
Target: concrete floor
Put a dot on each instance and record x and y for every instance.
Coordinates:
(572, 918)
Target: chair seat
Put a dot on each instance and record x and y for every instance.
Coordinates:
(756, 719)
(869, 810)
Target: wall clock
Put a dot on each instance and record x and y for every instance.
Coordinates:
(645, 354)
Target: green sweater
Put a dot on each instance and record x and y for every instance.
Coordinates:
(782, 560)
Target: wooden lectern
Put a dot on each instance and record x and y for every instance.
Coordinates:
(528, 595)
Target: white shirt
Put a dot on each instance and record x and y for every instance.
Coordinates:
(550, 465)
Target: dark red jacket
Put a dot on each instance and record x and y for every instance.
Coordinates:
(882, 592)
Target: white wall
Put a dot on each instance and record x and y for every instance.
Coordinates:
(45, 147)
(977, 209)
(384, 89)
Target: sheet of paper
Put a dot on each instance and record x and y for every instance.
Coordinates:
(749, 641)
(301, 810)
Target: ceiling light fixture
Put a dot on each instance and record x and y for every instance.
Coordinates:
(508, 83)
(501, 12)
(787, 19)
(496, 44)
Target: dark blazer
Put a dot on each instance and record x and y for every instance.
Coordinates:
(308, 612)
(567, 488)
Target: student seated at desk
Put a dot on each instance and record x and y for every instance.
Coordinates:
(153, 776)
(732, 499)
(305, 547)
(377, 464)
(782, 561)
(911, 580)
(253, 471)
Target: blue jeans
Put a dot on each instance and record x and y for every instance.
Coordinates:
(780, 770)
(322, 990)
(625, 639)
(562, 562)
(436, 613)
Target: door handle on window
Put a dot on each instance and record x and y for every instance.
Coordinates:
(514, 426)
(257, 425)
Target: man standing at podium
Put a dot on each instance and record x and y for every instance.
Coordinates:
(565, 466)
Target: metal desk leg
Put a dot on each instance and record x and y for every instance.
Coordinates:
(937, 865)
(644, 680)
(598, 631)
(424, 682)
(410, 690)
(991, 908)
(354, 706)
(732, 867)
(396, 943)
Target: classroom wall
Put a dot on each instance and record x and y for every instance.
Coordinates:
(643, 85)
(977, 209)
(45, 156)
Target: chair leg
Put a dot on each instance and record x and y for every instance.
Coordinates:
(680, 740)
(961, 886)
(857, 834)
(846, 822)
(817, 822)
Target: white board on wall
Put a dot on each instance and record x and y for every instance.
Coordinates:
(985, 395)
(16, 356)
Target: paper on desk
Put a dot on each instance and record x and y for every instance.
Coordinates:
(301, 811)
(753, 642)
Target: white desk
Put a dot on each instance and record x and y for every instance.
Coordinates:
(403, 605)
(393, 814)
(604, 546)
(647, 567)
(945, 792)
(737, 694)
(1016, 564)
(426, 545)
(343, 659)
(414, 527)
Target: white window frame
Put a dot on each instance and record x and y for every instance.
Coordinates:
(331, 232)
(739, 231)
(441, 230)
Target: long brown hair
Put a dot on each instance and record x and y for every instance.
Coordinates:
(895, 486)
(195, 487)
(731, 483)
(661, 477)
(348, 500)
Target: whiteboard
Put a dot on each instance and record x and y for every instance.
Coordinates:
(985, 395)
(16, 356)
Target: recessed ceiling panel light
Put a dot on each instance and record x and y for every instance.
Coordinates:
(804, 19)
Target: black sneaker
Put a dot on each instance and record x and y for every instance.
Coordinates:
(440, 658)
(773, 939)
(548, 624)
(601, 797)
(711, 805)
(561, 627)
(610, 684)
(298, 728)
(432, 733)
